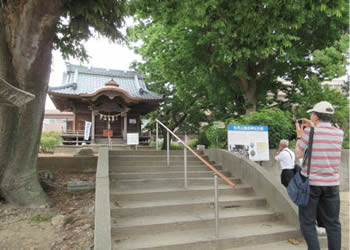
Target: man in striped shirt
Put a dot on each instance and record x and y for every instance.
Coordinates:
(324, 175)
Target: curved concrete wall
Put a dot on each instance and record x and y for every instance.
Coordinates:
(263, 182)
(273, 167)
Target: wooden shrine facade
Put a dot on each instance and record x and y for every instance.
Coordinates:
(112, 100)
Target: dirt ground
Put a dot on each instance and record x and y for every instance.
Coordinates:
(68, 224)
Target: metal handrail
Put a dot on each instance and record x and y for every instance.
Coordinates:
(227, 180)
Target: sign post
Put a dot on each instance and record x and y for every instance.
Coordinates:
(132, 139)
(249, 140)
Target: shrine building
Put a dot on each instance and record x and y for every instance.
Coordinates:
(112, 100)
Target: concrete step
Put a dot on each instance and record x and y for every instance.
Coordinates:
(146, 152)
(100, 140)
(176, 193)
(171, 201)
(166, 183)
(285, 245)
(186, 220)
(179, 174)
(230, 236)
(152, 157)
(156, 207)
(141, 169)
(153, 163)
(151, 209)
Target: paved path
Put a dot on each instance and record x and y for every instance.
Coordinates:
(344, 218)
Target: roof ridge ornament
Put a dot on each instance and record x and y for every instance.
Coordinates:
(138, 85)
(112, 83)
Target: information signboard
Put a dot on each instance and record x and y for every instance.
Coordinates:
(249, 140)
(132, 139)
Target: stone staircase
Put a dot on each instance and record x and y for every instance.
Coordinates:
(150, 209)
(104, 140)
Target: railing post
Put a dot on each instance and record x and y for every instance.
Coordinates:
(227, 180)
(156, 135)
(185, 162)
(216, 205)
(167, 148)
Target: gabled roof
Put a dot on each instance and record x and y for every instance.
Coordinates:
(81, 80)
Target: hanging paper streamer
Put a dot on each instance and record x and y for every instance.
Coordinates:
(109, 117)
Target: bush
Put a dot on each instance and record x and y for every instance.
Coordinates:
(217, 136)
(193, 143)
(173, 146)
(280, 123)
(49, 140)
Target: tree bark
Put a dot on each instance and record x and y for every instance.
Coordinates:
(25, 56)
(165, 138)
(249, 90)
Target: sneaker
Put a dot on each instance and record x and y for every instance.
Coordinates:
(321, 231)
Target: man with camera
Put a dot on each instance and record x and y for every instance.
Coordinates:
(324, 199)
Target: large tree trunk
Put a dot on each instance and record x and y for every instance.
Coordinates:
(165, 139)
(25, 61)
(249, 90)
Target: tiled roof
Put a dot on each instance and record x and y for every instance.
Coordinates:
(84, 80)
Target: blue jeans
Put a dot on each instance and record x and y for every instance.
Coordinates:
(324, 203)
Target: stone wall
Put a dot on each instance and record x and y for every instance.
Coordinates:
(68, 164)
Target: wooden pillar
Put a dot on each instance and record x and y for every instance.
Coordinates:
(93, 127)
(125, 131)
(139, 124)
(74, 121)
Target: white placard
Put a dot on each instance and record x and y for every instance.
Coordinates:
(132, 121)
(87, 130)
(251, 141)
(132, 139)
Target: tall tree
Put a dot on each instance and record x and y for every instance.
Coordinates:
(178, 112)
(29, 30)
(238, 47)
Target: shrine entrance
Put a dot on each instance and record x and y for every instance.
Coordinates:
(108, 121)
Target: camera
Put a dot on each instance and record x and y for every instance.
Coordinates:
(300, 122)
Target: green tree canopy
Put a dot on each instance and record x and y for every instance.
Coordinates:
(232, 49)
(82, 19)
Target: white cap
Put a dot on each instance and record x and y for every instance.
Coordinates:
(322, 107)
